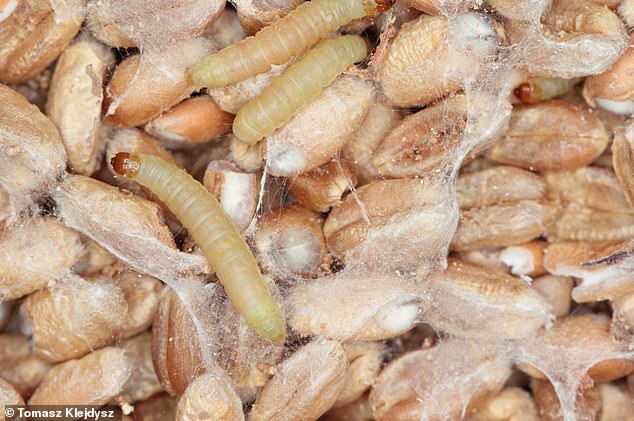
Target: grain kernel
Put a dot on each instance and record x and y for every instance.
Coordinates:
(503, 225)
(290, 241)
(306, 384)
(142, 87)
(315, 134)
(414, 385)
(74, 102)
(603, 267)
(92, 380)
(143, 382)
(192, 122)
(370, 309)
(322, 188)
(551, 135)
(27, 265)
(32, 156)
(472, 298)
(412, 226)
(419, 68)
(210, 397)
(75, 316)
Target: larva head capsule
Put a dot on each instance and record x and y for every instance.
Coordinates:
(383, 5)
(526, 93)
(374, 7)
(125, 164)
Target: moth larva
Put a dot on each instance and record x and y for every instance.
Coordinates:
(297, 86)
(277, 43)
(542, 88)
(210, 227)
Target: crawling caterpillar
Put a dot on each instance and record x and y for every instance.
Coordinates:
(297, 86)
(277, 43)
(211, 228)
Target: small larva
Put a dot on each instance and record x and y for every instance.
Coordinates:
(297, 86)
(277, 43)
(211, 228)
(543, 88)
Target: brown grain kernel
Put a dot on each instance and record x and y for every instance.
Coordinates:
(576, 223)
(19, 365)
(359, 410)
(472, 297)
(143, 382)
(74, 102)
(94, 260)
(322, 188)
(418, 67)
(551, 135)
(314, 135)
(365, 360)
(192, 122)
(32, 155)
(34, 35)
(616, 84)
(415, 383)
(210, 396)
(359, 149)
(177, 346)
(123, 225)
(588, 402)
(374, 308)
(92, 380)
(496, 185)
(306, 385)
(176, 351)
(623, 161)
(503, 225)
(423, 141)
(556, 291)
(575, 40)
(142, 87)
(584, 334)
(290, 241)
(27, 265)
(412, 226)
(141, 293)
(75, 316)
(603, 267)
(139, 23)
(592, 187)
(237, 191)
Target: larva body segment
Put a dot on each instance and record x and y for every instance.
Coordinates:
(210, 227)
(302, 82)
(277, 43)
(543, 88)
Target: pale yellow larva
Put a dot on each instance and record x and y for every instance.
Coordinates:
(210, 227)
(540, 89)
(302, 82)
(277, 43)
